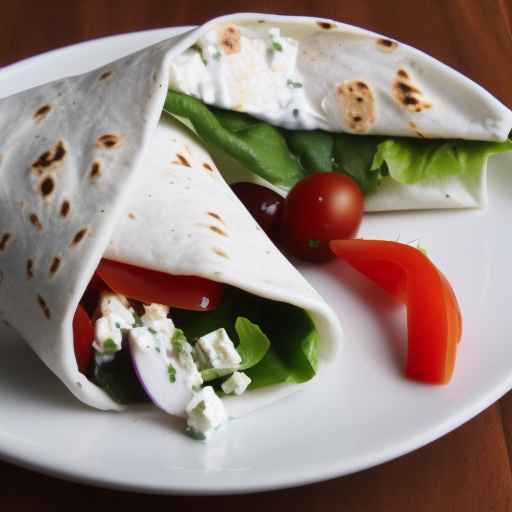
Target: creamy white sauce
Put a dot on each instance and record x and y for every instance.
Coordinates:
(262, 79)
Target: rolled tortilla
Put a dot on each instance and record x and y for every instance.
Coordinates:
(307, 73)
(87, 169)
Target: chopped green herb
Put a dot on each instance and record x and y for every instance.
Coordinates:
(194, 434)
(118, 325)
(314, 244)
(138, 320)
(217, 55)
(151, 330)
(172, 373)
(179, 341)
(293, 85)
(277, 47)
(109, 347)
(158, 349)
(200, 407)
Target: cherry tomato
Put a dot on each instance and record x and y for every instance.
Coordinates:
(322, 207)
(434, 319)
(264, 205)
(83, 337)
(150, 286)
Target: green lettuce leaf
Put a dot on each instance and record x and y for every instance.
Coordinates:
(292, 355)
(283, 157)
(258, 146)
(252, 348)
(411, 161)
(354, 155)
(313, 148)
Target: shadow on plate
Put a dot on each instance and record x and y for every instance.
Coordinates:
(389, 314)
(24, 376)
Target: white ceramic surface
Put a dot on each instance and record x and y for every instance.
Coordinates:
(362, 413)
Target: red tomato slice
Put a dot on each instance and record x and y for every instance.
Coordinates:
(150, 286)
(83, 337)
(434, 320)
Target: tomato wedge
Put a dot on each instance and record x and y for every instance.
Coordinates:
(434, 320)
(150, 286)
(83, 337)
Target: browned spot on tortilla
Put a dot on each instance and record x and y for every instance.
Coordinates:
(386, 45)
(217, 230)
(54, 266)
(181, 160)
(229, 39)
(42, 112)
(131, 216)
(78, 237)
(261, 21)
(5, 239)
(47, 186)
(220, 252)
(34, 219)
(108, 141)
(324, 25)
(44, 307)
(407, 94)
(357, 104)
(95, 172)
(30, 268)
(65, 208)
(105, 75)
(216, 216)
(51, 159)
(416, 130)
(208, 167)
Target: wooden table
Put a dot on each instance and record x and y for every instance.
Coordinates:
(467, 470)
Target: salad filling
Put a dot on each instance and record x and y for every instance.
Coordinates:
(189, 362)
(245, 92)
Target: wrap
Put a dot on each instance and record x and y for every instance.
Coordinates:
(305, 73)
(87, 169)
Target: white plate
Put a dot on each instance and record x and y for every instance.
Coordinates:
(362, 413)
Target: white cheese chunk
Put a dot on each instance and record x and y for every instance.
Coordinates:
(236, 384)
(182, 356)
(262, 79)
(112, 304)
(205, 412)
(218, 350)
(155, 316)
(107, 334)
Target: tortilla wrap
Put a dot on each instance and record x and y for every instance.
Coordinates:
(400, 91)
(87, 169)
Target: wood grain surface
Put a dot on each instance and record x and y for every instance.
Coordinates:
(467, 470)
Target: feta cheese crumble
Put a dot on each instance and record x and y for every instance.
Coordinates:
(217, 350)
(155, 317)
(181, 357)
(112, 304)
(116, 315)
(236, 384)
(260, 78)
(205, 413)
